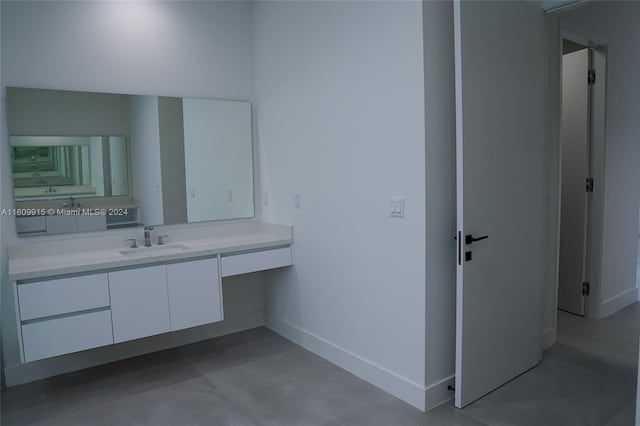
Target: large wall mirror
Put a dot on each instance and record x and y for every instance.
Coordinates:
(170, 160)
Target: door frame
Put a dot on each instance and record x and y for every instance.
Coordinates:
(597, 166)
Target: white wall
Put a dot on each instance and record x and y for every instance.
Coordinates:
(144, 143)
(196, 49)
(97, 164)
(118, 166)
(217, 147)
(174, 192)
(616, 24)
(340, 120)
(183, 49)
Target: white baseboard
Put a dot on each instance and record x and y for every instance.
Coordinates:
(390, 382)
(615, 303)
(549, 338)
(23, 373)
(438, 393)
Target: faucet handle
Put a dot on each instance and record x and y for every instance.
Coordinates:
(162, 239)
(148, 228)
(133, 243)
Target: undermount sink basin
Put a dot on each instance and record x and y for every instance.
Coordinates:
(154, 250)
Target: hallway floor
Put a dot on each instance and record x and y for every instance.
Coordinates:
(259, 378)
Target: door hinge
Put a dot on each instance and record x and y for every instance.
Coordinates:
(586, 288)
(591, 77)
(589, 184)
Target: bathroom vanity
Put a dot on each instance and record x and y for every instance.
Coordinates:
(82, 293)
(89, 169)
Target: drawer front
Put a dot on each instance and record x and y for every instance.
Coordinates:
(92, 223)
(60, 336)
(61, 224)
(62, 296)
(257, 261)
(31, 225)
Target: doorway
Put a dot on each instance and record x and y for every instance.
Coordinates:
(581, 171)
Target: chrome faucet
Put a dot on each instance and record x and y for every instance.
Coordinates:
(71, 203)
(147, 235)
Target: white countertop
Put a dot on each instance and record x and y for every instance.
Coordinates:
(26, 263)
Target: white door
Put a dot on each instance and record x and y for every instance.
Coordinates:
(500, 70)
(139, 302)
(575, 169)
(194, 293)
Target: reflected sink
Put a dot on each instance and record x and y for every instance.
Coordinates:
(157, 250)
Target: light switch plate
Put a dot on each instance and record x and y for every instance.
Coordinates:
(396, 206)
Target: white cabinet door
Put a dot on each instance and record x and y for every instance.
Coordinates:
(194, 293)
(139, 303)
(92, 223)
(31, 225)
(61, 224)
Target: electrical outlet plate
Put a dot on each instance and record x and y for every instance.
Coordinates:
(396, 206)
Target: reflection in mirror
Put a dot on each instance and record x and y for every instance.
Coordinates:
(52, 167)
(217, 150)
(192, 159)
(175, 160)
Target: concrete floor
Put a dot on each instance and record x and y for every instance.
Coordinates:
(258, 378)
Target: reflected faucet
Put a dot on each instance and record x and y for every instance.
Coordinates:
(147, 235)
(71, 203)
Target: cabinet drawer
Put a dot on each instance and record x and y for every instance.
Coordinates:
(257, 261)
(31, 225)
(92, 223)
(62, 296)
(60, 336)
(61, 224)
